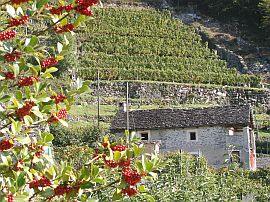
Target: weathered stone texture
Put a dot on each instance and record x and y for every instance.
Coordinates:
(175, 94)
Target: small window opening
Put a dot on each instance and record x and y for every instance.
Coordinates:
(144, 136)
(235, 157)
(193, 136)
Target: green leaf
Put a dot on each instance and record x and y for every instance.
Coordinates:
(87, 185)
(18, 95)
(117, 195)
(11, 11)
(116, 155)
(20, 198)
(24, 140)
(21, 180)
(79, 19)
(94, 170)
(41, 3)
(29, 49)
(5, 98)
(48, 192)
(16, 69)
(59, 47)
(51, 70)
(99, 180)
(33, 41)
(64, 123)
(147, 196)
(47, 137)
(37, 112)
(28, 120)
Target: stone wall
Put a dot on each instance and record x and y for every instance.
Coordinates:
(212, 142)
(175, 94)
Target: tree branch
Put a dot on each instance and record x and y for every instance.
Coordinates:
(52, 25)
(108, 185)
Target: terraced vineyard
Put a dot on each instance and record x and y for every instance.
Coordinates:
(145, 44)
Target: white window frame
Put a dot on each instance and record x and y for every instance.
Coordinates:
(144, 131)
(192, 131)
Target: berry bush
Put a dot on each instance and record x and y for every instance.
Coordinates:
(29, 103)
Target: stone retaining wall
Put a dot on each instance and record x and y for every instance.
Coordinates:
(175, 94)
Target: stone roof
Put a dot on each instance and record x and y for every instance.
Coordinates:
(166, 118)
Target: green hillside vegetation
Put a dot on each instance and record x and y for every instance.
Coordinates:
(145, 44)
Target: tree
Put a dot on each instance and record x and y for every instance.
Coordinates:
(265, 7)
(29, 103)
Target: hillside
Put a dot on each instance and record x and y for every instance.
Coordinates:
(146, 44)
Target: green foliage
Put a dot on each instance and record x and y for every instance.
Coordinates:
(78, 133)
(129, 44)
(265, 7)
(187, 178)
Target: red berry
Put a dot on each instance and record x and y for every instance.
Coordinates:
(62, 114)
(43, 182)
(118, 148)
(10, 198)
(25, 110)
(13, 56)
(130, 176)
(28, 81)
(130, 191)
(19, 1)
(59, 98)
(124, 163)
(9, 75)
(6, 35)
(6, 144)
(65, 28)
(13, 22)
(49, 62)
(110, 163)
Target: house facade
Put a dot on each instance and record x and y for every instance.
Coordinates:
(218, 133)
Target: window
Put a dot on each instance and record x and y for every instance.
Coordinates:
(192, 136)
(235, 157)
(144, 136)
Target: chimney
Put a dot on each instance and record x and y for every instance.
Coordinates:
(123, 106)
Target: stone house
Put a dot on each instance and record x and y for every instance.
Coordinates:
(214, 132)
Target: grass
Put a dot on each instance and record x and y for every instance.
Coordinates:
(105, 110)
(264, 133)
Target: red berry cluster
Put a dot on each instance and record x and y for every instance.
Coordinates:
(60, 9)
(26, 109)
(19, 1)
(6, 144)
(62, 114)
(65, 28)
(16, 166)
(13, 22)
(83, 6)
(104, 144)
(59, 98)
(10, 198)
(49, 62)
(114, 164)
(124, 163)
(111, 163)
(39, 149)
(6, 35)
(66, 189)
(118, 147)
(9, 75)
(13, 56)
(43, 182)
(130, 191)
(28, 81)
(130, 176)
